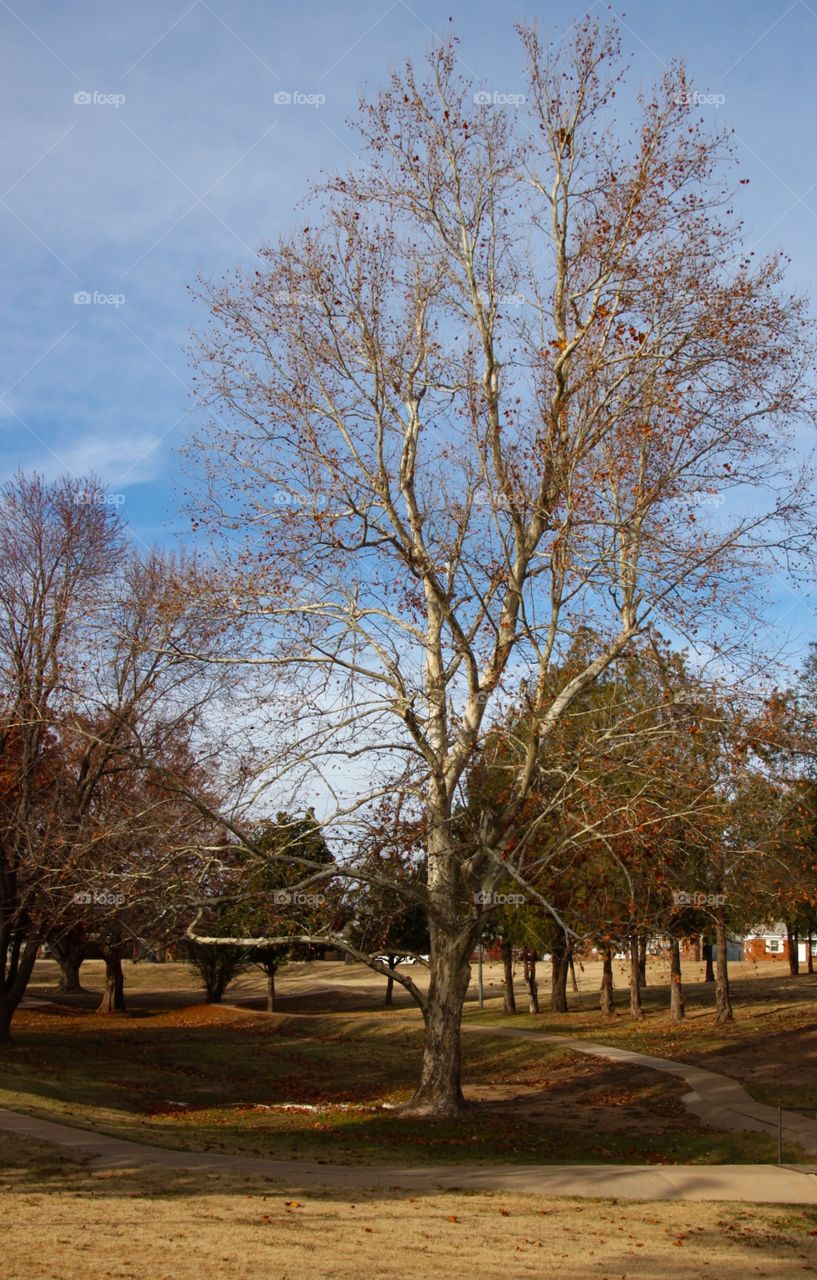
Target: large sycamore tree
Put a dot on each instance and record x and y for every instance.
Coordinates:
(514, 374)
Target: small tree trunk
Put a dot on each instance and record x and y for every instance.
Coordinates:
(676, 994)
(809, 956)
(574, 984)
(69, 983)
(113, 997)
(530, 979)
(558, 981)
(16, 964)
(214, 988)
(709, 976)
(635, 979)
(608, 1004)
(642, 960)
(723, 1001)
(69, 960)
(389, 1001)
(508, 996)
(270, 990)
(792, 946)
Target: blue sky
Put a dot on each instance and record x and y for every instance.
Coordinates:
(182, 162)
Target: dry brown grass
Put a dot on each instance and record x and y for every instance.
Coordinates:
(65, 1222)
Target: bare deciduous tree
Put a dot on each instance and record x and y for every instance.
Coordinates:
(517, 375)
(58, 545)
(100, 714)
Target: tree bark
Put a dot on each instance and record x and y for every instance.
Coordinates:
(558, 983)
(69, 957)
(709, 975)
(389, 1001)
(574, 982)
(113, 997)
(792, 946)
(14, 979)
(69, 983)
(530, 979)
(608, 1004)
(439, 1092)
(723, 1001)
(635, 979)
(270, 990)
(676, 993)
(508, 996)
(642, 960)
(809, 955)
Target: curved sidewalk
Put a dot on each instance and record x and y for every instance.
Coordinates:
(719, 1101)
(757, 1184)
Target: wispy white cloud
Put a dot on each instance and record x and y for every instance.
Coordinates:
(134, 456)
(94, 188)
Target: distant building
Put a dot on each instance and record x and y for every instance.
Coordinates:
(770, 942)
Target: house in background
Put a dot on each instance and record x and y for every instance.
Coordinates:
(693, 949)
(770, 942)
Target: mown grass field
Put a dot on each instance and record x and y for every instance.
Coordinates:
(323, 1085)
(64, 1221)
(771, 1047)
(311, 1081)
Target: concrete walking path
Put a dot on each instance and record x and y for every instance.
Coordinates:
(750, 1184)
(717, 1100)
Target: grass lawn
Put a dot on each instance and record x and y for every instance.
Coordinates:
(771, 1047)
(322, 1084)
(322, 1087)
(65, 1222)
